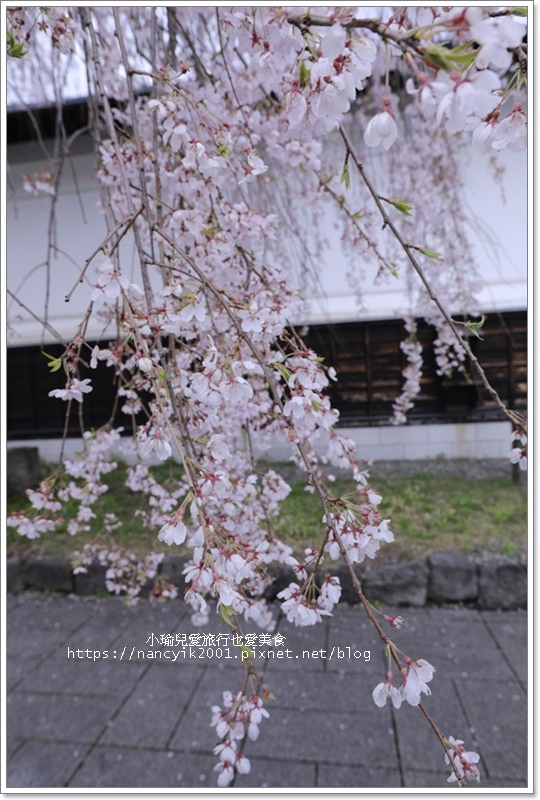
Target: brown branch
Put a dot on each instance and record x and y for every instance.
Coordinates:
(43, 322)
(304, 21)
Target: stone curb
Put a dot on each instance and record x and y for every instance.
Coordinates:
(443, 578)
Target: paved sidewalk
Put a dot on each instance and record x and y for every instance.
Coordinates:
(120, 723)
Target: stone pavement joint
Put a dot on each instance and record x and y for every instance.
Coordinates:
(144, 722)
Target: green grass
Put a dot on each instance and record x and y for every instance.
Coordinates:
(427, 514)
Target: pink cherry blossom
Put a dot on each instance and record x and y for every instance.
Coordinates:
(463, 762)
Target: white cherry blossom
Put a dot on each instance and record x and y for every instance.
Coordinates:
(381, 130)
(74, 390)
(387, 689)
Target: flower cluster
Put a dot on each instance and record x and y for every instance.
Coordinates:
(518, 454)
(126, 574)
(415, 678)
(463, 762)
(239, 718)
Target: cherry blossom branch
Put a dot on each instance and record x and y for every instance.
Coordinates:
(305, 21)
(360, 592)
(323, 495)
(128, 222)
(514, 417)
(114, 138)
(138, 145)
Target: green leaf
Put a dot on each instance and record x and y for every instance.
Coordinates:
(163, 376)
(346, 176)
(15, 48)
(247, 650)
(464, 60)
(226, 612)
(474, 327)
(460, 57)
(54, 363)
(283, 370)
(519, 11)
(304, 75)
(439, 57)
(431, 253)
(403, 207)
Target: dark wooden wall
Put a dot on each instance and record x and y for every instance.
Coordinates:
(366, 356)
(369, 361)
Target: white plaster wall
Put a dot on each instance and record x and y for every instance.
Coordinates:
(386, 443)
(499, 245)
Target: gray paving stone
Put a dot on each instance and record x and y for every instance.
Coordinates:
(41, 611)
(151, 713)
(272, 774)
(117, 767)
(357, 736)
(156, 618)
(351, 637)
(194, 733)
(13, 603)
(57, 717)
(514, 616)
(423, 779)
(420, 779)
(326, 692)
(341, 777)
(345, 738)
(103, 628)
(360, 650)
(504, 783)
(461, 662)
(499, 713)
(16, 670)
(30, 640)
(454, 613)
(512, 639)
(296, 641)
(143, 632)
(44, 765)
(515, 631)
(13, 743)
(82, 676)
(440, 634)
